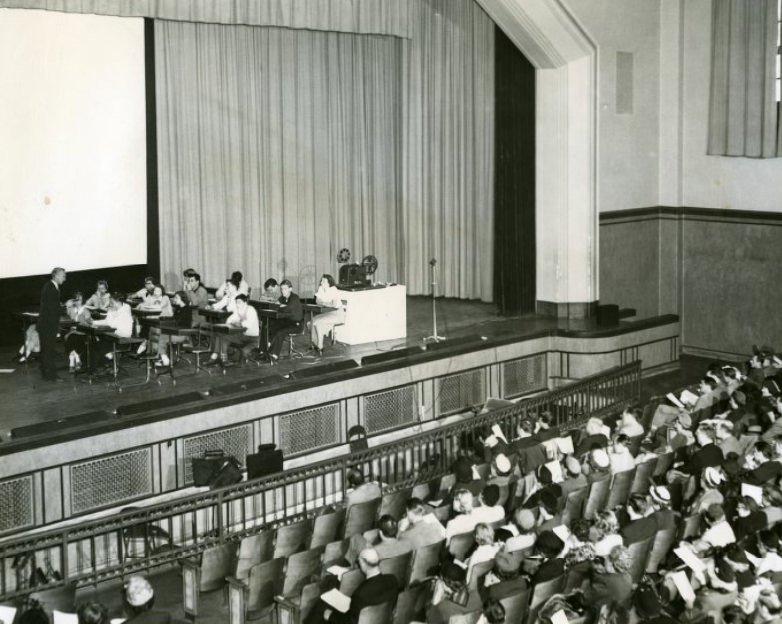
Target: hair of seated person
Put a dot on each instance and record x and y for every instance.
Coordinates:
(355, 478)
(189, 273)
(388, 525)
(286, 282)
(93, 613)
(118, 296)
(103, 283)
(638, 503)
(415, 506)
(328, 278)
(241, 297)
(270, 283)
(494, 612)
(491, 495)
(484, 534)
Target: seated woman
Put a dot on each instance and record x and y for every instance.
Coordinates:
(226, 294)
(237, 279)
(322, 324)
(31, 346)
(75, 340)
(158, 301)
(182, 319)
(100, 299)
(119, 318)
(144, 293)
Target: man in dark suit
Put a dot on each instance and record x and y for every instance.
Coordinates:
(49, 323)
(289, 319)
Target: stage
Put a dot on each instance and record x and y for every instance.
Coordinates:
(27, 399)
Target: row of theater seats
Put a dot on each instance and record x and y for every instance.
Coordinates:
(281, 567)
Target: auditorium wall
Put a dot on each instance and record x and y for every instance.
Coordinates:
(709, 246)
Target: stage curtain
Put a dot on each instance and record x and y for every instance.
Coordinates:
(514, 201)
(385, 17)
(449, 149)
(743, 111)
(276, 148)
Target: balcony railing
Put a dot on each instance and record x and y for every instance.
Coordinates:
(91, 551)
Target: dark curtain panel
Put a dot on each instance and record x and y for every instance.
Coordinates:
(514, 179)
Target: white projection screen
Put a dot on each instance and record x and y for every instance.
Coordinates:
(72, 142)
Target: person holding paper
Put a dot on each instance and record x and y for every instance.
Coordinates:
(629, 424)
(490, 510)
(376, 589)
(464, 521)
(421, 529)
(640, 522)
(718, 532)
(764, 457)
(360, 490)
(620, 457)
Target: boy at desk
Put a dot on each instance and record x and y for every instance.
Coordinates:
(246, 317)
(120, 320)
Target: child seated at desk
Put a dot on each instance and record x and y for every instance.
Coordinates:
(120, 320)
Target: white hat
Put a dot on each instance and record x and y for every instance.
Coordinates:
(600, 458)
(138, 591)
(660, 493)
(502, 463)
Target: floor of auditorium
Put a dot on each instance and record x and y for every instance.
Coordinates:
(26, 399)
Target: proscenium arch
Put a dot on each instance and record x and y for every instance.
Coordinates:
(565, 58)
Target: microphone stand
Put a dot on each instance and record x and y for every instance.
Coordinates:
(434, 337)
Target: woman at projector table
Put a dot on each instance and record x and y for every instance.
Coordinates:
(322, 324)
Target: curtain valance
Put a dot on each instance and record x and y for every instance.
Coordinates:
(379, 17)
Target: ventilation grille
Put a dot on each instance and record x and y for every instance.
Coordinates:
(462, 391)
(111, 480)
(309, 429)
(523, 376)
(16, 504)
(393, 408)
(234, 441)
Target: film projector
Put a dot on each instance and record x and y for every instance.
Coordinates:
(355, 276)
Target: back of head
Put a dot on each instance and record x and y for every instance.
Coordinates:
(93, 613)
(369, 558)
(462, 501)
(388, 526)
(34, 615)
(715, 513)
(415, 508)
(494, 612)
(491, 495)
(236, 278)
(270, 283)
(462, 470)
(639, 503)
(355, 477)
(484, 534)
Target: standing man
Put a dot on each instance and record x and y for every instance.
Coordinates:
(49, 324)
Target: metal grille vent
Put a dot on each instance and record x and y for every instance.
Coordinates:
(309, 429)
(462, 391)
(111, 480)
(386, 410)
(16, 504)
(524, 375)
(234, 441)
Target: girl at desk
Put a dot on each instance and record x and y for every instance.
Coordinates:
(100, 299)
(158, 301)
(75, 340)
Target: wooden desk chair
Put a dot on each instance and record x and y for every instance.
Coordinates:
(643, 472)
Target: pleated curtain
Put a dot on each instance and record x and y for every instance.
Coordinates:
(279, 147)
(743, 110)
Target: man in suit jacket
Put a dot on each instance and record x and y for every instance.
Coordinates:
(420, 529)
(376, 589)
(289, 319)
(49, 323)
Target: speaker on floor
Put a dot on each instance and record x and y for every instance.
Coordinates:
(147, 406)
(387, 356)
(608, 315)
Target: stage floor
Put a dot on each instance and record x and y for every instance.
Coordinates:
(26, 399)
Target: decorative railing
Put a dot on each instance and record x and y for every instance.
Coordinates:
(90, 551)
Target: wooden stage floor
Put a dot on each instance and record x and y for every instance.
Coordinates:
(26, 399)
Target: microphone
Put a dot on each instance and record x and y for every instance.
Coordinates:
(433, 261)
